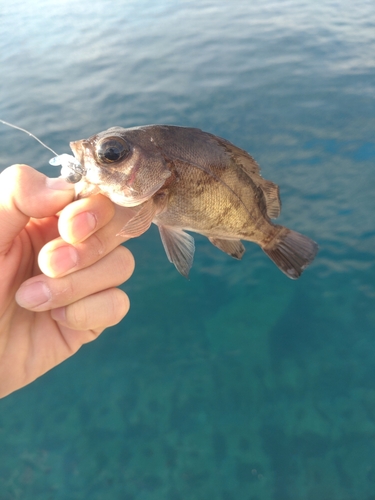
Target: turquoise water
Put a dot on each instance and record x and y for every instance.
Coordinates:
(237, 384)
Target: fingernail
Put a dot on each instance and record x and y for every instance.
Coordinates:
(34, 295)
(83, 225)
(59, 184)
(63, 259)
(59, 314)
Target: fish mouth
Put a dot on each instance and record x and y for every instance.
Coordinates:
(125, 196)
(76, 147)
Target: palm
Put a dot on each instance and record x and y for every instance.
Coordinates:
(34, 334)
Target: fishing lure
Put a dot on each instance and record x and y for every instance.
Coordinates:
(71, 169)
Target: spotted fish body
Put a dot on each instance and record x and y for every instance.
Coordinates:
(184, 179)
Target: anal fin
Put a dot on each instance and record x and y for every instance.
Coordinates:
(234, 248)
(179, 247)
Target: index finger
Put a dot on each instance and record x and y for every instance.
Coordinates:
(66, 254)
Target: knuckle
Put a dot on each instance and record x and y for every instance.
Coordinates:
(15, 172)
(77, 316)
(67, 288)
(19, 175)
(12, 177)
(97, 245)
(63, 290)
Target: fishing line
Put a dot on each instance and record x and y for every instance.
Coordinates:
(30, 134)
(71, 170)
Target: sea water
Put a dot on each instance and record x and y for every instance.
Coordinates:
(238, 384)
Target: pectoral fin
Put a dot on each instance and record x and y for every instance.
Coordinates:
(179, 247)
(141, 220)
(234, 248)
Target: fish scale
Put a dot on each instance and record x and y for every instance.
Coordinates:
(184, 179)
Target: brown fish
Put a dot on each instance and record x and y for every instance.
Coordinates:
(184, 179)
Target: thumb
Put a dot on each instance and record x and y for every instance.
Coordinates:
(25, 193)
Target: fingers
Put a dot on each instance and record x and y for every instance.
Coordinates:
(95, 218)
(83, 217)
(93, 313)
(25, 193)
(42, 293)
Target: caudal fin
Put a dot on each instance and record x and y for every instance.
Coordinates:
(292, 252)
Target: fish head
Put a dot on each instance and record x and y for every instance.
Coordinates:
(123, 164)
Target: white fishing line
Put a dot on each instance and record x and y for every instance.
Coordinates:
(71, 170)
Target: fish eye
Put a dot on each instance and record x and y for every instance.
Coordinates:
(112, 149)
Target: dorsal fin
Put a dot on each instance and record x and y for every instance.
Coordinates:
(247, 163)
(242, 158)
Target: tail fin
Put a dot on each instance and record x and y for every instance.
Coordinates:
(292, 252)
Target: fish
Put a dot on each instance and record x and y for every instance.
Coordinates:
(184, 179)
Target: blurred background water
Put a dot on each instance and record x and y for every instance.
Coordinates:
(237, 384)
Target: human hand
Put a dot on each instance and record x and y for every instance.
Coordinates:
(58, 274)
